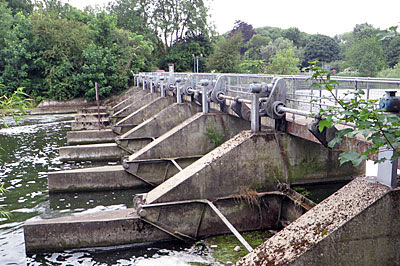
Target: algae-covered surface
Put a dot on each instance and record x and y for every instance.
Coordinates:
(222, 247)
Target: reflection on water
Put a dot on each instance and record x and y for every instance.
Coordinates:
(29, 151)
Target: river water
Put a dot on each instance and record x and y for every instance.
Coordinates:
(28, 150)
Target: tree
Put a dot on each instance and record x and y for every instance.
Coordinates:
(273, 47)
(252, 66)
(284, 62)
(321, 48)
(296, 36)
(365, 30)
(171, 21)
(24, 6)
(247, 32)
(254, 46)
(181, 54)
(226, 57)
(366, 55)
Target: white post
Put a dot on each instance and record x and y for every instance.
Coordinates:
(387, 170)
(255, 113)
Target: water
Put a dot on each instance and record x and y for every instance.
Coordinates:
(29, 151)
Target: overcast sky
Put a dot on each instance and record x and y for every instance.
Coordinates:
(311, 16)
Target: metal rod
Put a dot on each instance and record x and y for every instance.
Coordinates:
(230, 226)
(178, 94)
(162, 89)
(176, 165)
(98, 103)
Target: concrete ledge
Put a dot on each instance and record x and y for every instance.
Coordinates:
(95, 178)
(102, 152)
(90, 136)
(111, 228)
(357, 225)
(102, 229)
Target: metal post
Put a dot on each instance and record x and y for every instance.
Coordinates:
(178, 94)
(151, 86)
(197, 65)
(98, 103)
(162, 89)
(144, 86)
(387, 170)
(204, 100)
(255, 113)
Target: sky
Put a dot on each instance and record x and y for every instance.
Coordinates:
(311, 16)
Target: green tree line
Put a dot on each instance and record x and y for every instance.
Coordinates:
(57, 51)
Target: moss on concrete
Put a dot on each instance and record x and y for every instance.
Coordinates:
(225, 244)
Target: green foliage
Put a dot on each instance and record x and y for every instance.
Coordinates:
(226, 57)
(215, 136)
(393, 72)
(254, 46)
(376, 125)
(252, 66)
(284, 62)
(181, 54)
(366, 55)
(321, 48)
(15, 104)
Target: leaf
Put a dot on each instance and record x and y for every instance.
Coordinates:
(355, 158)
(323, 124)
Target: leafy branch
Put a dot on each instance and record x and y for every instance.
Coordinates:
(14, 105)
(374, 124)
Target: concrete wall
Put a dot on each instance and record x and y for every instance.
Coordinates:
(251, 161)
(189, 138)
(358, 225)
(163, 121)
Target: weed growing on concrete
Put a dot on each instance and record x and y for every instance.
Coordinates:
(215, 136)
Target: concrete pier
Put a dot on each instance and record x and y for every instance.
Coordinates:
(145, 112)
(132, 104)
(93, 179)
(151, 165)
(357, 225)
(112, 228)
(90, 136)
(231, 168)
(89, 152)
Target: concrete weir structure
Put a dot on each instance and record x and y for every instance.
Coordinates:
(155, 162)
(111, 151)
(201, 188)
(179, 206)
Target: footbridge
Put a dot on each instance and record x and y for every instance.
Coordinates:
(216, 152)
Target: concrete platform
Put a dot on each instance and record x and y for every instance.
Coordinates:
(93, 179)
(186, 220)
(98, 152)
(90, 136)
